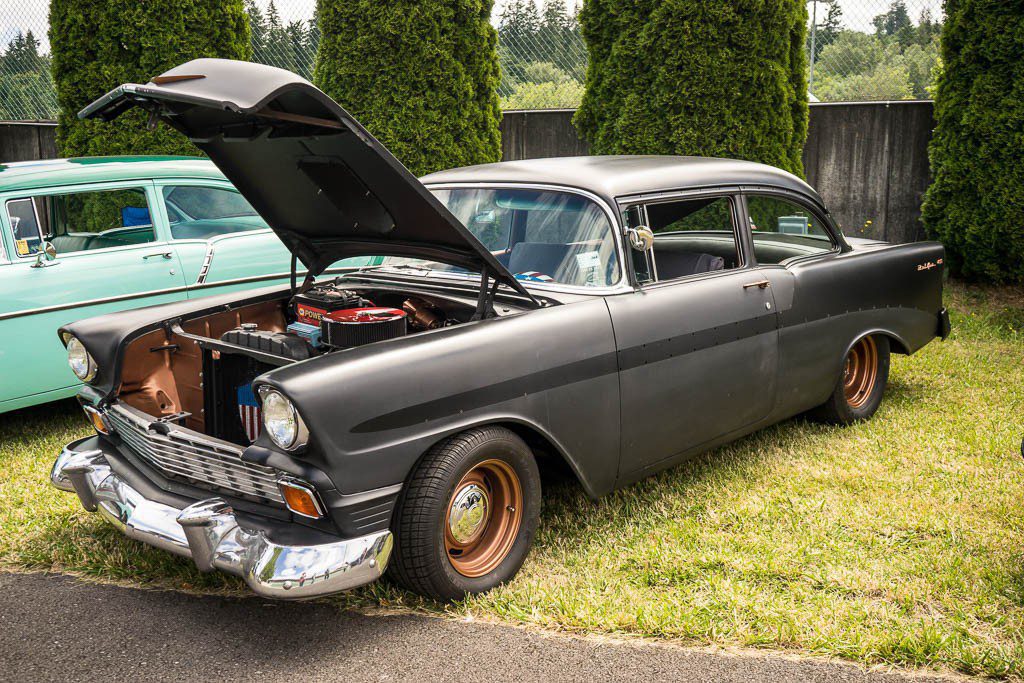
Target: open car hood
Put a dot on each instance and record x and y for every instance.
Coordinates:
(326, 186)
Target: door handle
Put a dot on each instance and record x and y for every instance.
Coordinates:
(763, 284)
(165, 254)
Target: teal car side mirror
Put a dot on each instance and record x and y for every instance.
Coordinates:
(45, 256)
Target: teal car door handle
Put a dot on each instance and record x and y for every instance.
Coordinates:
(165, 254)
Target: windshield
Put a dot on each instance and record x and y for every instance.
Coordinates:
(539, 236)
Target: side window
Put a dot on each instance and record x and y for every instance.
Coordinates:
(25, 229)
(693, 236)
(81, 221)
(783, 229)
(199, 212)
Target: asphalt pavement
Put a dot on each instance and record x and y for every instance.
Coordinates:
(56, 628)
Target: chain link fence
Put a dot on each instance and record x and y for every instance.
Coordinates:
(865, 50)
(26, 87)
(859, 50)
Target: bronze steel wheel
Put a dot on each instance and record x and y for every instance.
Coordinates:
(860, 372)
(467, 515)
(862, 379)
(483, 518)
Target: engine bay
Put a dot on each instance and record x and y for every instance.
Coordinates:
(198, 373)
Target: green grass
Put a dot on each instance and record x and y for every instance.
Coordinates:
(897, 541)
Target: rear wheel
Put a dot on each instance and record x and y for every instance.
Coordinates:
(467, 516)
(861, 384)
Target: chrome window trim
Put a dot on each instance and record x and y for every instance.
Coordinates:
(10, 226)
(819, 210)
(618, 287)
(738, 211)
(668, 195)
(145, 185)
(162, 184)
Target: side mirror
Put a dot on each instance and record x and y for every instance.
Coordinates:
(640, 238)
(45, 256)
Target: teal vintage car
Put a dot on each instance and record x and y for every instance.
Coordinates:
(81, 237)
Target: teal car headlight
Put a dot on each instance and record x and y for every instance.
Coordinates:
(82, 364)
(281, 421)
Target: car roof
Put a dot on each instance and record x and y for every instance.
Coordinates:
(621, 176)
(56, 172)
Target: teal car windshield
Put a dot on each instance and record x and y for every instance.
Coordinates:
(538, 235)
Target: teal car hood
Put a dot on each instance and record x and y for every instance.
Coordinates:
(326, 186)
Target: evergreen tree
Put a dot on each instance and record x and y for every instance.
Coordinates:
(257, 30)
(279, 48)
(894, 21)
(26, 89)
(975, 205)
(829, 28)
(421, 75)
(100, 44)
(298, 46)
(692, 77)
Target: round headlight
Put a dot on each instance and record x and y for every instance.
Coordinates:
(80, 361)
(281, 422)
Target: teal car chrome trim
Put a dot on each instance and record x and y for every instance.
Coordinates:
(172, 290)
(90, 302)
(205, 269)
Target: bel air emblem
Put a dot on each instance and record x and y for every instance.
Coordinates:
(929, 265)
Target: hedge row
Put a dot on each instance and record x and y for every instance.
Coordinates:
(421, 75)
(100, 44)
(725, 79)
(975, 205)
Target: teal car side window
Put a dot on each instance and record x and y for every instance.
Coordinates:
(25, 230)
(202, 212)
(81, 221)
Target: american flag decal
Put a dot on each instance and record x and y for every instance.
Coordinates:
(534, 276)
(249, 411)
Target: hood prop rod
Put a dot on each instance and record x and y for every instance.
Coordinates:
(307, 281)
(485, 300)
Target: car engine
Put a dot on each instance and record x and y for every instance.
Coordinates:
(324, 319)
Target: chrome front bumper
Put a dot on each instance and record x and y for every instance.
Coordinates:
(210, 534)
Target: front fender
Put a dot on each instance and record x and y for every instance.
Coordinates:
(106, 336)
(373, 411)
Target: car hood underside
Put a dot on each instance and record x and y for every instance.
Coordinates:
(326, 186)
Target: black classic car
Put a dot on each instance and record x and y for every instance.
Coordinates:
(618, 314)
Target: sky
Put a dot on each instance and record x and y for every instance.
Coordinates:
(25, 15)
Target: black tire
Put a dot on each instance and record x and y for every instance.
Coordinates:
(421, 561)
(839, 409)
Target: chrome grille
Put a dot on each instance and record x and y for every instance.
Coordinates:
(188, 455)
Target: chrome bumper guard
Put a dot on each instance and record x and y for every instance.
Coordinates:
(209, 533)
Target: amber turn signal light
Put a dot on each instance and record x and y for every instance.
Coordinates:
(300, 499)
(96, 417)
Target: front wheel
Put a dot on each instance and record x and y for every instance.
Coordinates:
(861, 384)
(467, 516)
